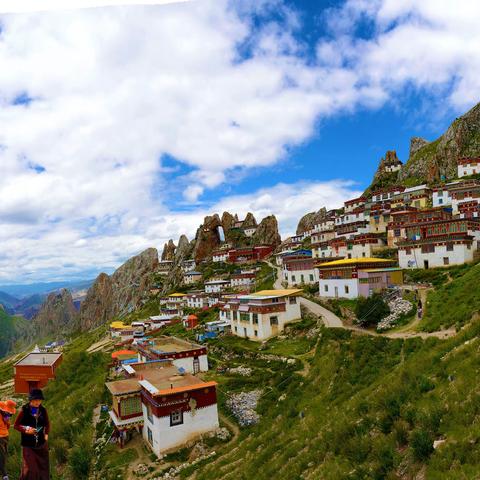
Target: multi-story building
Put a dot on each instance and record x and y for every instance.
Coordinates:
(354, 204)
(192, 277)
(439, 243)
(341, 278)
(249, 255)
(417, 197)
(167, 406)
(242, 279)
(197, 300)
(396, 230)
(468, 191)
(216, 286)
(468, 166)
(220, 256)
(187, 355)
(299, 270)
(261, 315)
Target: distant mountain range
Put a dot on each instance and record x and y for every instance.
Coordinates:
(26, 300)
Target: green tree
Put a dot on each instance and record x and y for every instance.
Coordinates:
(371, 310)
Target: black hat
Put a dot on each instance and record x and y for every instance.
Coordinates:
(36, 394)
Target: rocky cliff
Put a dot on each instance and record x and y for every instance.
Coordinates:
(169, 251)
(175, 276)
(308, 221)
(267, 232)
(121, 293)
(439, 158)
(430, 162)
(57, 316)
(208, 237)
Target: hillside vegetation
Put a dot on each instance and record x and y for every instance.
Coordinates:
(12, 329)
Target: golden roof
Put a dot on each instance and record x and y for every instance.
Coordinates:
(277, 293)
(354, 261)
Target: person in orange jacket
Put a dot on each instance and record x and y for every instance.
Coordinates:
(7, 410)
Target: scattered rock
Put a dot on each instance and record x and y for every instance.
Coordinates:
(243, 407)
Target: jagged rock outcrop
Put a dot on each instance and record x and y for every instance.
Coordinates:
(121, 293)
(169, 251)
(183, 250)
(249, 221)
(228, 220)
(438, 159)
(57, 316)
(207, 238)
(387, 173)
(416, 143)
(267, 232)
(308, 221)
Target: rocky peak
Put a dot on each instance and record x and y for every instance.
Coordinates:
(308, 221)
(267, 232)
(183, 249)
(57, 315)
(416, 143)
(438, 159)
(228, 220)
(121, 293)
(168, 251)
(207, 238)
(249, 221)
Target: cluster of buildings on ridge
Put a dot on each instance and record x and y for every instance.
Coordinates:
(424, 226)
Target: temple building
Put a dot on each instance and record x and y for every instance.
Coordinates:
(168, 406)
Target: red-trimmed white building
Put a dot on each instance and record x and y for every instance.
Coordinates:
(263, 314)
(187, 355)
(170, 408)
(243, 279)
(468, 191)
(216, 286)
(354, 204)
(220, 256)
(299, 270)
(468, 166)
(439, 243)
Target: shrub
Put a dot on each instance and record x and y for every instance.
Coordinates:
(421, 443)
(371, 310)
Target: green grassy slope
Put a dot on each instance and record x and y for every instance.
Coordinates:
(70, 401)
(11, 330)
(455, 299)
(370, 408)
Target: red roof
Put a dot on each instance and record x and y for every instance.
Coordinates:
(118, 353)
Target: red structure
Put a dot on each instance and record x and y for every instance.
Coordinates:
(190, 322)
(246, 255)
(35, 370)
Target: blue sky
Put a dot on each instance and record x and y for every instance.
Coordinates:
(123, 126)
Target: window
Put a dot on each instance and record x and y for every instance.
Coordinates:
(275, 300)
(311, 277)
(363, 254)
(346, 289)
(396, 232)
(428, 248)
(131, 405)
(236, 329)
(273, 320)
(149, 436)
(176, 418)
(449, 247)
(244, 317)
(446, 261)
(255, 318)
(440, 201)
(293, 278)
(408, 251)
(149, 413)
(325, 288)
(235, 315)
(292, 300)
(255, 332)
(302, 278)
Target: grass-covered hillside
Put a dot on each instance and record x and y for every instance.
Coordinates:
(369, 408)
(454, 298)
(12, 329)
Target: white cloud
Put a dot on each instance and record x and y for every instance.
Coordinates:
(63, 251)
(114, 90)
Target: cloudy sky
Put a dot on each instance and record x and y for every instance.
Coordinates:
(122, 126)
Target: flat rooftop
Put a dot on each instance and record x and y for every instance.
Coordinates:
(171, 345)
(161, 378)
(39, 359)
